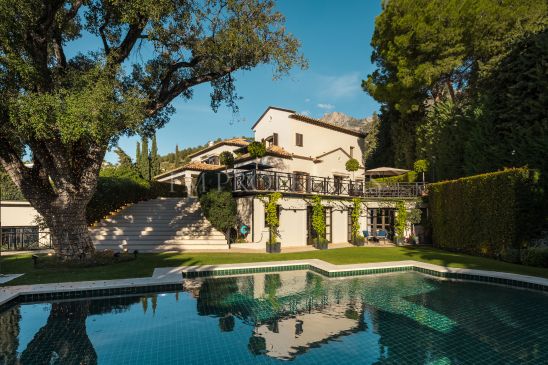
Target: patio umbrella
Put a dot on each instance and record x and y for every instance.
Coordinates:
(385, 171)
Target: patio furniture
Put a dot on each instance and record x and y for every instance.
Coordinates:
(382, 234)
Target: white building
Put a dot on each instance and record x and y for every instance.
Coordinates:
(305, 157)
(19, 226)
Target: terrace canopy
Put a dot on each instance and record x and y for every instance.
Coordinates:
(251, 166)
(385, 171)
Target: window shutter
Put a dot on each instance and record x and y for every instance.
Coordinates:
(275, 139)
(299, 139)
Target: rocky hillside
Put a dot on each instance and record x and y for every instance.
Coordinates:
(346, 121)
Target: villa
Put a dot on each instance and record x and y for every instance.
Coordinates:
(304, 157)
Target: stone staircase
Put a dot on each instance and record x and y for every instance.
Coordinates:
(158, 225)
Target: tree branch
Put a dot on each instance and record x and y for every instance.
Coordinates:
(183, 85)
(124, 49)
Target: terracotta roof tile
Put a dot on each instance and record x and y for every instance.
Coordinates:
(239, 142)
(304, 118)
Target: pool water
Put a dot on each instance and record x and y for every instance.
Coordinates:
(298, 316)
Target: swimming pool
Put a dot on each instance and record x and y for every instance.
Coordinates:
(297, 316)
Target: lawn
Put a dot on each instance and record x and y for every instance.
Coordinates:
(146, 263)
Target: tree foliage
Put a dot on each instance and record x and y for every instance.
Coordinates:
(455, 79)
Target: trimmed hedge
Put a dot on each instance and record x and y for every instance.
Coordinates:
(114, 192)
(489, 214)
(219, 207)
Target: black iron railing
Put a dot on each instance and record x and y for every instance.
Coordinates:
(22, 240)
(254, 181)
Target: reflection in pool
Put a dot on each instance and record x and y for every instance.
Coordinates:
(298, 316)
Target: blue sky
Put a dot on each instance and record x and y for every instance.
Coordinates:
(335, 37)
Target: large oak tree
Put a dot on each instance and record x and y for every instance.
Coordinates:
(67, 111)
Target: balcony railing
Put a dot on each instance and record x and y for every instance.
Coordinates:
(257, 181)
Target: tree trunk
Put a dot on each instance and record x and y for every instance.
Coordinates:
(59, 185)
(69, 232)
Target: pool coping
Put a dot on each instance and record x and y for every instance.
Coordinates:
(171, 278)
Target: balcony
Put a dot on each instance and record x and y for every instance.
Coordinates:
(265, 181)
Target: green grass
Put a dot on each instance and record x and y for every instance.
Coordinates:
(146, 263)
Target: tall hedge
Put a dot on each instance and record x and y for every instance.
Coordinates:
(486, 214)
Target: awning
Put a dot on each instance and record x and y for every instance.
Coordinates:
(252, 166)
(385, 171)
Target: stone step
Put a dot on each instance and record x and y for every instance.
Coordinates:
(166, 248)
(163, 237)
(136, 243)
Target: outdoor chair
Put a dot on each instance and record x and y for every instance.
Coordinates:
(382, 234)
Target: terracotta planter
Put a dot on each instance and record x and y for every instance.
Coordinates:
(274, 247)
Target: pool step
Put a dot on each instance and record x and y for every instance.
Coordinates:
(163, 224)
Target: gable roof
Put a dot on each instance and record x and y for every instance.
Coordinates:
(304, 118)
(266, 111)
(275, 151)
(193, 166)
(237, 142)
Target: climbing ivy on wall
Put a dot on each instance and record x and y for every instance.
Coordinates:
(318, 217)
(356, 213)
(272, 219)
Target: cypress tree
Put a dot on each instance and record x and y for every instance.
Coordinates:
(144, 167)
(177, 159)
(154, 158)
(138, 156)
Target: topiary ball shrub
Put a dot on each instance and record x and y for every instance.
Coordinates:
(352, 165)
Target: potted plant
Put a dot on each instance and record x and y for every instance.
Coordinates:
(273, 222)
(320, 243)
(359, 240)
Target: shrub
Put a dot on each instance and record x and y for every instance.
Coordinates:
(352, 165)
(226, 158)
(535, 256)
(219, 208)
(486, 214)
(256, 149)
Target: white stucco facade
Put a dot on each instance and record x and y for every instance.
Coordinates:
(19, 223)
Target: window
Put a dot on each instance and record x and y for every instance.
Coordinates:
(351, 152)
(19, 237)
(272, 140)
(213, 160)
(299, 139)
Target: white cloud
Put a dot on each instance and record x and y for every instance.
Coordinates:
(325, 106)
(305, 112)
(341, 86)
